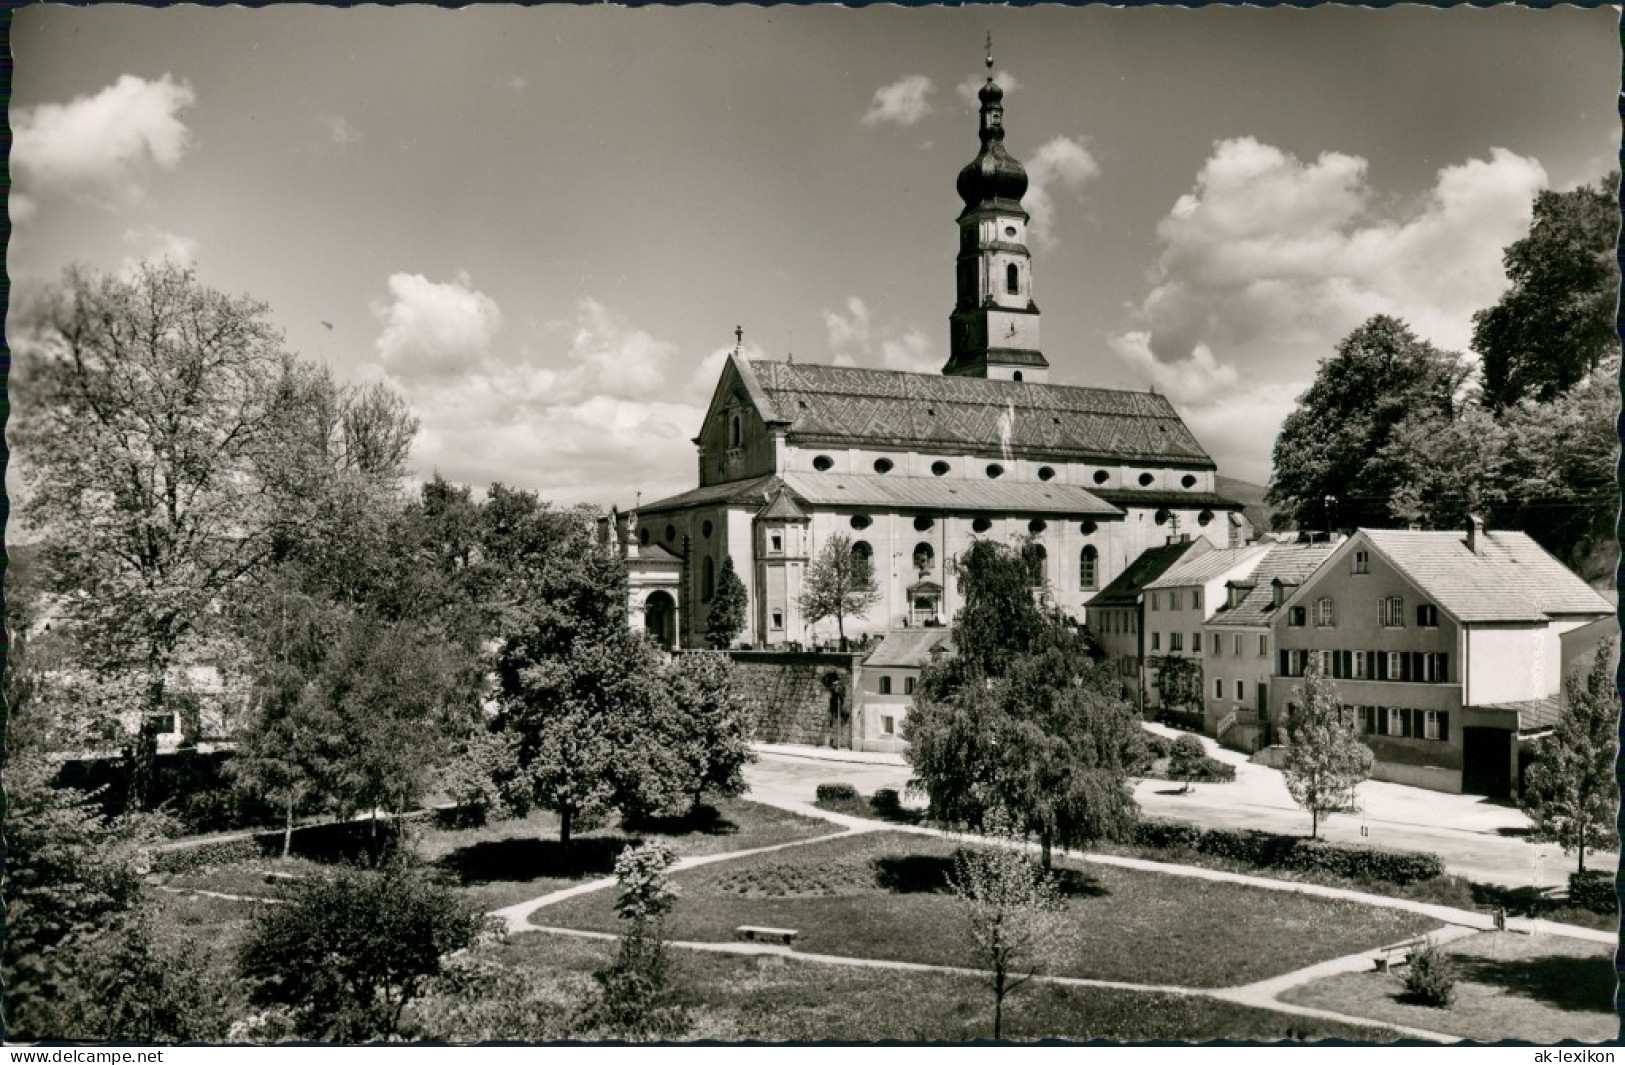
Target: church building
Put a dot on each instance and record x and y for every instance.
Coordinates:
(912, 468)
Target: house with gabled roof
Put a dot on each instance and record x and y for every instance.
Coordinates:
(890, 673)
(1240, 648)
(1178, 604)
(1116, 615)
(1447, 648)
(912, 468)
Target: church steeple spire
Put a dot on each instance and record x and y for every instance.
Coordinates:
(995, 321)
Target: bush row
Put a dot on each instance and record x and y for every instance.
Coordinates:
(1269, 850)
(341, 841)
(836, 793)
(1593, 890)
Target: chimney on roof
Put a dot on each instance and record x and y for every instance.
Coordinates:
(1475, 526)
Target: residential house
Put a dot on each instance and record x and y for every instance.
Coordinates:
(1446, 647)
(890, 674)
(1178, 604)
(1240, 650)
(1115, 614)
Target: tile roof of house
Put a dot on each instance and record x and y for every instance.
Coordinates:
(1203, 568)
(1291, 563)
(1509, 578)
(948, 494)
(782, 507)
(752, 491)
(1125, 589)
(852, 407)
(909, 648)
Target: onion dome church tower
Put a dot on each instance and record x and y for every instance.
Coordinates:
(995, 321)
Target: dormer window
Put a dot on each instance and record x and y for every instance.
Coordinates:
(1362, 562)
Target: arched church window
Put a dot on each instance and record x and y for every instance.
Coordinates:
(1016, 376)
(643, 537)
(1037, 564)
(822, 463)
(736, 435)
(708, 580)
(1145, 480)
(924, 557)
(1012, 279)
(861, 549)
(1088, 566)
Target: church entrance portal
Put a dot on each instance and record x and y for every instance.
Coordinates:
(660, 619)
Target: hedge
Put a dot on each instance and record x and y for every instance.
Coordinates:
(886, 800)
(1593, 890)
(836, 792)
(1269, 850)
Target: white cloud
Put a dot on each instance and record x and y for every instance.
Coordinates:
(972, 85)
(1062, 163)
(154, 245)
(99, 147)
(854, 341)
(518, 83)
(339, 130)
(904, 102)
(1269, 261)
(435, 329)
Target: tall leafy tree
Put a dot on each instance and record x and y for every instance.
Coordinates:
(1446, 468)
(155, 422)
(705, 722)
(726, 618)
(1325, 758)
(1555, 323)
(1571, 792)
(839, 584)
(1331, 446)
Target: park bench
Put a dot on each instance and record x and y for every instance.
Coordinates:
(1396, 955)
(756, 934)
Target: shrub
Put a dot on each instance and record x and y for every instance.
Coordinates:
(1269, 850)
(1593, 890)
(347, 953)
(886, 800)
(1157, 745)
(1365, 863)
(836, 793)
(1168, 835)
(1430, 979)
(633, 999)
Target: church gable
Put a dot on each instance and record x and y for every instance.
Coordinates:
(734, 440)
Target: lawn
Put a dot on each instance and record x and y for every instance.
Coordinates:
(511, 861)
(1540, 989)
(778, 1000)
(885, 895)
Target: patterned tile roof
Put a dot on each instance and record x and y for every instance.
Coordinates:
(1206, 567)
(948, 495)
(852, 407)
(754, 491)
(909, 648)
(1509, 578)
(1166, 497)
(1291, 563)
(1153, 561)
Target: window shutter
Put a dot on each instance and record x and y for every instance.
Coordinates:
(1405, 723)
(1444, 726)
(1282, 670)
(1382, 665)
(1444, 673)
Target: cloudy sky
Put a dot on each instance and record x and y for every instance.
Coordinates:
(543, 224)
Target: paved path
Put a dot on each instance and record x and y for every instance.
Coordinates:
(1477, 839)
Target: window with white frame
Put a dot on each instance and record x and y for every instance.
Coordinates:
(1325, 663)
(1362, 562)
(1360, 669)
(1241, 691)
(1323, 611)
(1427, 615)
(1393, 612)
(885, 685)
(1176, 641)
(1156, 641)
(908, 685)
(1396, 665)
(1196, 599)
(1218, 688)
(1393, 721)
(1430, 724)
(778, 619)
(1263, 645)
(1196, 643)
(1235, 644)
(1156, 601)
(888, 725)
(1297, 617)
(1216, 645)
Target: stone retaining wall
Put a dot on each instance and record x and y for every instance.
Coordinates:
(791, 699)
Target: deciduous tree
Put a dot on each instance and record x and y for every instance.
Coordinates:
(1555, 323)
(1325, 758)
(839, 584)
(1570, 792)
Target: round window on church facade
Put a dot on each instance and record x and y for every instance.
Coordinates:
(1037, 526)
(823, 463)
(1205, 518)
(883, 465)
(705, 528)
(861, 521)
(1087, 528)
(1188, 481)
(923, 523)
(994, 471)
(1162, 517)
(1046, 473)
(980, 525)
(1101, 476)
(1145, 480)
(671, 533)
(939, 467)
